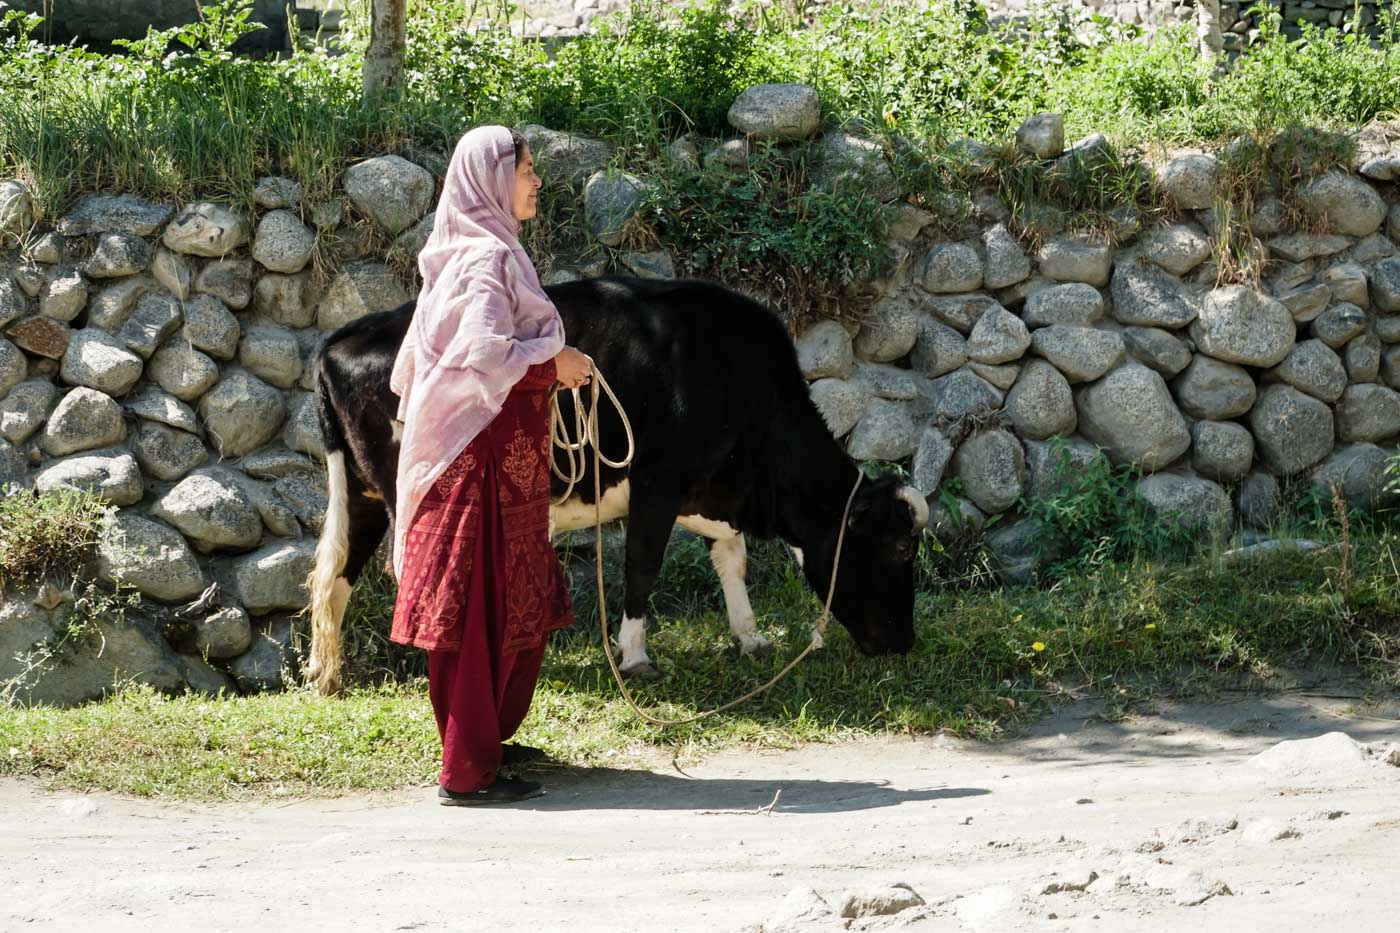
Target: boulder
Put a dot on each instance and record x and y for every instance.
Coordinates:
(241, 413)
(1221, 450)
(1145, 296)
(206, 229)
(1239, 325)
(283, 243)
(1131, 415)
(961, 312)
(931, 456)
(825, 349)
(272, 354)
(1191, 181)
(962, 394)
(1312, 367)
(303, 430)
(82, 420)
(274, 658)
(885, 432)
(1002, 375)
(883, 380)
(390, 190)
(1390, 367)
(223, 634)
(24, 409)
(116, 255)
(1363, 358)
(100, 361)
(149, 556)
(1347, 282)
(111, 475)
(229, 280)
(182, 371)
(1214, 391)
(210, 508)
(13, 304)
(776, 111)
(1083, 354)
(948, 268)
(360, 288)
(1157, 349)
(1368, 413)
(961, 519)
(565, 156)
(654, 264)
(289, 300)
(156, 317)
(110, 307)
(13, 367)
(1075, 304)
(1360, 472)
(48, 249)
(273, 193)
(1192, 502)
(152, 404)
(412, 241)
(1018, 550)
(40, 336)
(13, 467)
(844, 161)
(16, 209)
(1300, 247)
(114, 213)
(610, 200)
(1041, 404)
(842, 403)
(1073, 259)
(1292, 431)
(1258, 500)
(211, 327)
(272, 577)
(165, 452)
(1306, 302)
(1385, 285)
(1345, 203)
(1339, 325)
(992, 467)
(888, 331)
(998, 337)
(1043, 135)
(1007, 263)
(938, 349)
(64, 296)
(1052, 464)
(276, 462)
(1177, 248)
(305, 495)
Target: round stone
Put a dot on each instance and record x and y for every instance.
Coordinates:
(1239, 325)
(98, 360)
(211, 327)
(211, 509)
(1292, 431)
(272, 354)
(1074, 303)
(283, 243)
(149, 556)
(391, 191)
(1041, 404)
(1214, 391)
(166, 453)
(1312, 367)
(992, 467)
(1221, 450)
(242, 413)
(776, 111)
(183, 371)
(84, 419)
(825, 350)
(206, 229)
(1131, 415)
(1083, 354)
(112, 476)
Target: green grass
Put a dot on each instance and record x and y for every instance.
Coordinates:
(986, 659)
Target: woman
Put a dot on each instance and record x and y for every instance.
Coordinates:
(479, 585)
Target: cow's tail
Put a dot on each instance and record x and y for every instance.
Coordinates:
(329, 591)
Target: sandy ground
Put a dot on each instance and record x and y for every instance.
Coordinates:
(979, 830)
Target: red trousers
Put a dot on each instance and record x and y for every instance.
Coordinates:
(481, 587)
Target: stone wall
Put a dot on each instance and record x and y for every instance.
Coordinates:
(159, 355)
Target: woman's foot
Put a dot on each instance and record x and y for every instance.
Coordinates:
(517, 754)
(502, 790)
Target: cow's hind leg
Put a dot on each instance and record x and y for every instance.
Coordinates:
(730, 558)
(649, 525)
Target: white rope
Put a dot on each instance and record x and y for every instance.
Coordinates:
(586, 430)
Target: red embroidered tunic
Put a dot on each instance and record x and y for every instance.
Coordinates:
(488, 514)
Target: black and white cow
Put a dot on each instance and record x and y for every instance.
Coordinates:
(728, 444)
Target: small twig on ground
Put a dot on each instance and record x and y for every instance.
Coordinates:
(766, 811)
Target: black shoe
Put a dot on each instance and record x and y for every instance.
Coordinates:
(518, 754)
(502, 790)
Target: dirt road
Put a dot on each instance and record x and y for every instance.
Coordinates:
(1183, 829)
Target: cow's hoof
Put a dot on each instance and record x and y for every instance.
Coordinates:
(643, 671)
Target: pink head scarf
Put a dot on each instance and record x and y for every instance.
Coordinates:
(482, 320)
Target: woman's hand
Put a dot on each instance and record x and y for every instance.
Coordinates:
(572, 368)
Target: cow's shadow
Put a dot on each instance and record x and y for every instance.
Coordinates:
(617, 789)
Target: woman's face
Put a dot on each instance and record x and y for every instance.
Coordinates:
(527, 186)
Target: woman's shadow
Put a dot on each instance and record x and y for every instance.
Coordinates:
(618, 789)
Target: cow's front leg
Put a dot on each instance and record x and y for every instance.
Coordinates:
(730, 557)
(648, 529)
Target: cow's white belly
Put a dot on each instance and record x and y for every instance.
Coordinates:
(574, 513)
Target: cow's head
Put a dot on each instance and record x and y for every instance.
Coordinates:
(874, 597)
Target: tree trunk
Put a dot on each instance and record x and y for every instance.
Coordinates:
(383, 74)
(1208, 31)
